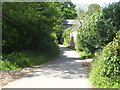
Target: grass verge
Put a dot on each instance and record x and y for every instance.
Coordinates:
(82, 54)
(73, 48)
(85, 55)
(18, 60)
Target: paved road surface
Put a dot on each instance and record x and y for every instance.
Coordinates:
(66, 72)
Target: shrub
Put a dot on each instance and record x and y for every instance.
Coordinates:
(17, 60)
(87, 39)
(27, 28)
(85, 55)
(105, 67)
(99, 29)
(73, 48)
(66, 36)
(111, 15)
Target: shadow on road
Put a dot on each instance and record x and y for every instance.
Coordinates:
(68, 66)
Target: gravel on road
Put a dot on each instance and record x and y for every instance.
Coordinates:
(66, 72)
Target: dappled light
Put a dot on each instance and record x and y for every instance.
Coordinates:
(60, 45)
(65, 71)
(65, 67)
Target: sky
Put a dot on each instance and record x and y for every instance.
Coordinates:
(83, 4)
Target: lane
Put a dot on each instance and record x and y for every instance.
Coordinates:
(66, 72)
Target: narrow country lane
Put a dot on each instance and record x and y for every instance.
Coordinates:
(66, 72)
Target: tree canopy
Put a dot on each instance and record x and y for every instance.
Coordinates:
(68, 10)
(33, 25)
(93, 8)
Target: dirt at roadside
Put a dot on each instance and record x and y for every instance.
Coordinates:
(86, 63)
(7, 76)
(11, 75)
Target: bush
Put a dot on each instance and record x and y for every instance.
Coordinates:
(111, 15)
(105, 67)
(17, 60)
(66, 36)
(99, 29)
(85, 55)
(87, 39)
(73, 48)
(27, 28)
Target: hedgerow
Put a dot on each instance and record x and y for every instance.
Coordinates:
(98, 34)
(99, 29)
(87, 39)
(66, 36)
(33, 27)
(22, 59)
(105, 67)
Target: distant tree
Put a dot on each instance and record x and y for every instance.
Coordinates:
(111, 15)
(81, 14)
(93, 8)
(68, 9)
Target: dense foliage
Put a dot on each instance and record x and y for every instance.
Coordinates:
(99, 29)
(93, 8)
(81, 14)
(26, 26)
(68, 9)
(105, 67)
(87, 38)
(22, 59)
(66, 36)
(29, 27)
(111, 15)
(33, 27)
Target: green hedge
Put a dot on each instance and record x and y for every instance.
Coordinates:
(99, 29)
(22, 59)
(105, 67)
(66, 36)
(87, 38)
(25, 27)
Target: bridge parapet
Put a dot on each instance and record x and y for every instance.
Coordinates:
(71, 23)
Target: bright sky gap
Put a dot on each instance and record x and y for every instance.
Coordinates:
(83, 4)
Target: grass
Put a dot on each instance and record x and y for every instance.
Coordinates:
(85, 55)
(73, 48)
(18, 60)
(82, 54)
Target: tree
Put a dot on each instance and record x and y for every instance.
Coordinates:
(93, 8)
(99, 28)
(30, 26)
(81, 14)
(111, 15)
(68, 9)
(87, 38)
(105, 67)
